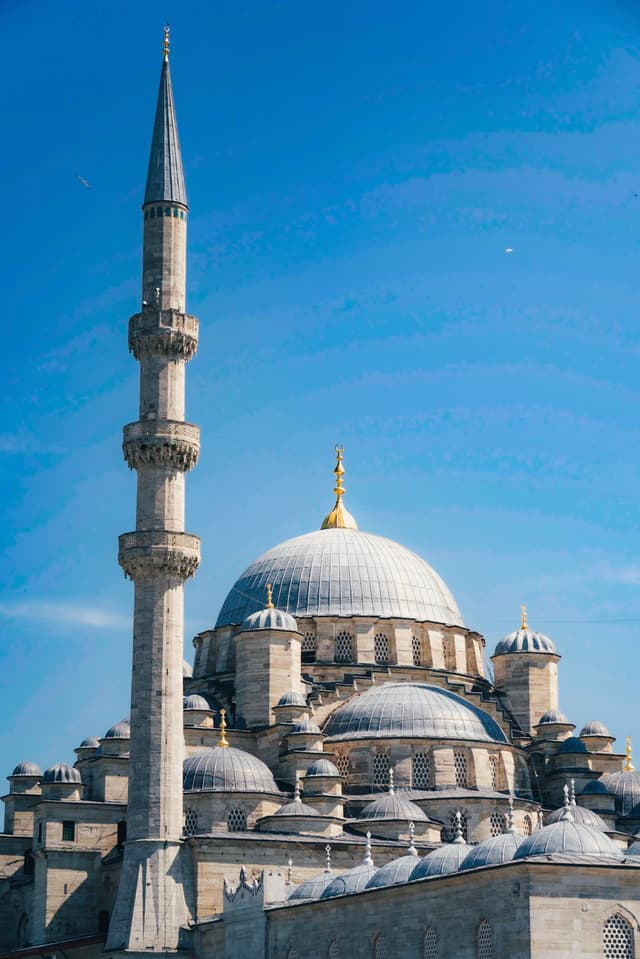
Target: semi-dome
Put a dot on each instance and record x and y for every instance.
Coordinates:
(292, 698)
(27, 769)
(270, 618)
(572, 745)
(443, 860)
(195, 702)
(226, 769)
(314, 887)
(394, 807)
(91, 742)
(625, 786)
(568, 836)
(306, 725)
(493, 851)
(61, 773)
(525, 641)
(412, 710)
(121, 730)
(594, 728)
(552, 717)
(342, 572)
(322, 767)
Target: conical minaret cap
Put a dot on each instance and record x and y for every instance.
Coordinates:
(165, 176)
(339, 517)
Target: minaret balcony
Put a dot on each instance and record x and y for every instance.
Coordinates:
(167, 332)
(170, 444)
(158, 552)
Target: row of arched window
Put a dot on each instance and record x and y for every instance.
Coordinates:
(345, 653)
(236, 821)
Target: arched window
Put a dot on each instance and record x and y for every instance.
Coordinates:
(343, 765)
(334, 951)
(422, 771)
(381, 649)
(485, 940)
(497, 823)
(103, 921)
(416, 650)
(464, 826)
(309, 646)
(344, 648)
(190, 822)
(380, 769)
(460, 767)
(493, 771)
(617, 938)
(236, 820)
(380, 948)
(431, 948)
(527, 826)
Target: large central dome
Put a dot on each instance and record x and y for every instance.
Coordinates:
(343, 572)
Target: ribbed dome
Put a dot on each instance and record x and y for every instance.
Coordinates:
(443, 860)
(572, 745)
(322, 767)
(411, 710)
(342, 572)
(270, 619)
(594, 728)
(625, 786)
(195, 702)
(121, 730)
(314, 887)
(61, 773)
(552, 717)
(493, 851)
(292, 698)
(582, 815)
(27, 769)
(296, 808)
(306, 725)
(353, 880)
(525, 641)
(225, 769)
(594, 788)
(395, 872)
(567, 836)
(91, 742)
(391, 806)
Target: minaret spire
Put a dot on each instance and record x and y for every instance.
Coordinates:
(150, 908)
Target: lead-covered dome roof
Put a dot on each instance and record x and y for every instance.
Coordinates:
(61, 773)
(342, 572)
(226, 769)
(567, 836)
(493, 851)
(411, 710)
(27, 768)
(443, 860)
(625, 786)
(525, 640)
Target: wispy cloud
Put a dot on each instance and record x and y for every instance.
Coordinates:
(64, 614)
(627, 575)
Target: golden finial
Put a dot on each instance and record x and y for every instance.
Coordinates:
(339, 518)
(628, 766)
(223, 741)
(269, 597)
(523, 618)
(165, 42)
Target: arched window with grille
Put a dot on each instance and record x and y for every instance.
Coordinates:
(431, 948)
(617, 938)
(485, 940)
(416, 650)
(451, 831)
(334, 951)
(236, 820)
(380, 948)
(527, 826)
(309, 646)
(460, 767)
(381, 649)
(343, 765)
(422, 771)
(380, 769)
(190, 822)
(344, 647)
(493, 771)
(497, 823)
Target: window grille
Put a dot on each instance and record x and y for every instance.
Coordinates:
(309, 647)
(334, 951)
(68, 830)
(497, 823)
(452, 825)
(416, 649)
(617, 938)
(431, 945)
(344, 648)
(380, 948)
(527, 826)
(190, 822)
(422, 771)
(236, 820)
(381, 649)
(493, 769)
(485, 940)
(343, 765)
(380, 769)
(460, 766)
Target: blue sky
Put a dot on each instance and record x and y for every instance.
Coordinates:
(355, 172)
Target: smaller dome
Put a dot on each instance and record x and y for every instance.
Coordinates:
(582, 815)
(625, 786)
(296, 808)
(91, 742)
(395, 872)
(391, 806)
(121, 730)
(493, 851)
(226, 769)
(61, 773)
(314, 887)
(306, 726)
(594, 728)
(353, 880)
(594, 788)
(193, 701)
(552, 717)
(322, 767)
(572, 745)
(270, 618)
(443, 860)
(27, 769)
(292, 698)
(525, 641)
(187, 671)
(568, 836)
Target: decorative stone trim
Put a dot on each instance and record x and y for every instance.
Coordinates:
(169, 443)
(158, 552)
(163, 331)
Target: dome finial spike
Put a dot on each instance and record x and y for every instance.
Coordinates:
(510, 823)
(339, 518)
(392, 786)
(290, 871)
(165, 42)
(296, 791)
(540, 819)
(412, 851)
(628, 765)
(572, 792)
(222, 739)
(459, 838)
(565, 793)
(269, 589)
(567, 814)
(327, 850)
(368, 858)
(523, 618)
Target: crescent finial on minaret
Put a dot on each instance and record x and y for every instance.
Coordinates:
(165, 42)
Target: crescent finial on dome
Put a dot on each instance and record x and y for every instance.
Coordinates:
(523, 617)
(628, 765)
(339, 517)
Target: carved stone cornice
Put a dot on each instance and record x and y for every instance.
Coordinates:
(168, 443)
(165, 332)
(158, 552)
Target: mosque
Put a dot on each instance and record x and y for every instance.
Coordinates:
(336, 777)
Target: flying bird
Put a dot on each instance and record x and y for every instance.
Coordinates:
(82, 180)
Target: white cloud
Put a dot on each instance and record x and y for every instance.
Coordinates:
(64, 614)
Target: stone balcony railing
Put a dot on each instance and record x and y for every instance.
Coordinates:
(158, 552)
(163, 331)
(167, 443)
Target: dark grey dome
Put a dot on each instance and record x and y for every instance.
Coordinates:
(594, 788)
(392, 806)
(395, 872)
(121, 730)
(625, 786)
(314, 887)
(61, 773)
(322, 767)
(27, 769)
(572, 745)
(443, 860)
(412, 710)
(525, 641)
(567, 836)
(306, 726)
(195, 702)
(552, 717)
(582, 815)
(594, 728)
(353, 880)
(342, 572)
(91, 742)
(493, 851)
(226, 769)
(270, 619)
(292, 698)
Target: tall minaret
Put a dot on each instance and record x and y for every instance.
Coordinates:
(151, 905)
